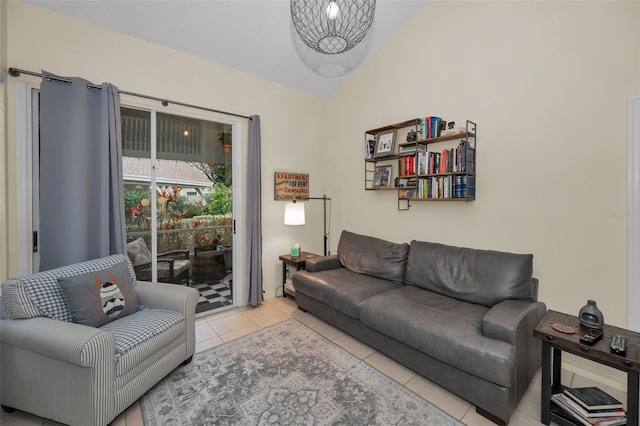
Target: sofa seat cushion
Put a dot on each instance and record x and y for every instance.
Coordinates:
(133, 335)
(179, 266)
(341, 289)
(444, 328)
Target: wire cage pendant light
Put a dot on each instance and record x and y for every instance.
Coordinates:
(332, 26)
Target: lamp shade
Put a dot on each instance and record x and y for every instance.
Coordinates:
(294, 214)
(332, 26)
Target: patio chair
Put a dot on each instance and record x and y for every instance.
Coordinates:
(173, 266)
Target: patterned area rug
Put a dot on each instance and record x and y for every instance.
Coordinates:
(286, 374)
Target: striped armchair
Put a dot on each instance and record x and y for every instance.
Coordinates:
(76, 374)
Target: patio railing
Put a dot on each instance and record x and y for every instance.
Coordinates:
(208, 263)
(187, 238)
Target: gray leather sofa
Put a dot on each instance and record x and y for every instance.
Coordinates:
(461, 317)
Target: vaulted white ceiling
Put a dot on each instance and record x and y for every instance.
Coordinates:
(256, 36)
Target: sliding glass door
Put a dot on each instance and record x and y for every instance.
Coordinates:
(178, 184)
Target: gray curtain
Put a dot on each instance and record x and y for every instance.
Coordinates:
(81, 187)
(254, 214)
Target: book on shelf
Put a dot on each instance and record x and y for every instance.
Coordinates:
(411, 149)
(431, 127)
(568, 411)
(437, 187)
(453, 131)
(408, 166)
(575, 409)
(593, 398)
(408, 193)
(449, 160)
(601, 421)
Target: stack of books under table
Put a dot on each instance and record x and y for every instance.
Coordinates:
(591, 406)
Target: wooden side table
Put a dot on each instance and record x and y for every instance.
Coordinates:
(599, 352)
(297, 262)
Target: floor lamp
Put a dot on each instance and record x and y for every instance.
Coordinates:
(294, 215)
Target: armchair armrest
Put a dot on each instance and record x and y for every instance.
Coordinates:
(176, 254)
(174, 298)
(76, 344)
(168, 296)
(322, 263)
(512, 320)
(168, 260)
(58, 370)
(165, 267)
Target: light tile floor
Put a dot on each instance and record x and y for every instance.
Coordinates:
(215, 329)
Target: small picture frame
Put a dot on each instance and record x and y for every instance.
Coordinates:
(385, 143)
(369, 148)
(382, 176)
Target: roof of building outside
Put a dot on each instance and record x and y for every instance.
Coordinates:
(167, 171)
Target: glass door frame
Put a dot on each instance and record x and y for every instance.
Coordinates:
(27, 139)
(239, 131)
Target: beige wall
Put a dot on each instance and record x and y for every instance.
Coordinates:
(291, 119)
(547, 84)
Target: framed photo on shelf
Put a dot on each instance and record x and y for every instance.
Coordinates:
(382, 176)
(385, 143)
(369, 148)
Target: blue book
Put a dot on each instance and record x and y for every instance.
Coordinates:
(593, 398)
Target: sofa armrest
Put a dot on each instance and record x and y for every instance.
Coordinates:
(513, 321)
(76, 344)
(322, 263)
(506, 320)
(168, 296)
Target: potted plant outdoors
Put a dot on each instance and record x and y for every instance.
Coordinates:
(205, 265)
(203, 240)
(225, 139)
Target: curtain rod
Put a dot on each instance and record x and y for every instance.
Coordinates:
(15, 72)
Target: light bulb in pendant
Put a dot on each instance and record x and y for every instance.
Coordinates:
(333, 10)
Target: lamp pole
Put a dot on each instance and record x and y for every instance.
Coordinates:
(324, 199)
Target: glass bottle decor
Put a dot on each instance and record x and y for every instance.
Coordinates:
(590, 316)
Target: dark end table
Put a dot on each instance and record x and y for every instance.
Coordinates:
(599, 352)
(297, 262)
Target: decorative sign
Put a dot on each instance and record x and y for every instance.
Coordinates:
(288, 186)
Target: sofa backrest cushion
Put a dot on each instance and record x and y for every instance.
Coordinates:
(39, 295)
(99, 297)
(485, 277)
(373, 256)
